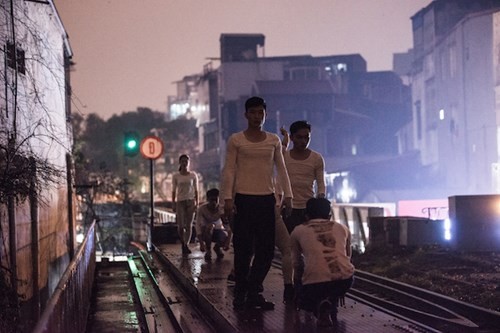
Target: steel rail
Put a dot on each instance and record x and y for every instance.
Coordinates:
(429, 308)
(183, 313)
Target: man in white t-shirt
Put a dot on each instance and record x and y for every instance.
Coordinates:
(321, 256)
(184, 200)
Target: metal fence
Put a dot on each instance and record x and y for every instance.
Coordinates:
(356, 217)
(162, 216)
(67, 309)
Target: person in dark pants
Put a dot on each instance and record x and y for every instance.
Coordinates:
(248, 190)
(306, 169)
(321, 255)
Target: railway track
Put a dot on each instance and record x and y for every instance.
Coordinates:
(439, 312)
(166, 306)
(426, 309)
(429, 311)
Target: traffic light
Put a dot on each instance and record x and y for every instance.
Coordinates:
(131, 144)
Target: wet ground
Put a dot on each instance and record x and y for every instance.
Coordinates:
(114, 305)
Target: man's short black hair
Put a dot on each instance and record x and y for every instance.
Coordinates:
(212, 193)
(298, 125)
(318, 208)
(254, 101)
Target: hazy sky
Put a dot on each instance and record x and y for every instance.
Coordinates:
(128, 53)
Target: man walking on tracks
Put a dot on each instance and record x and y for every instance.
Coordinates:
(249, 195)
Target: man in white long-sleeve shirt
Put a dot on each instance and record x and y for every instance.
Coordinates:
(306, 169)
(249, 201)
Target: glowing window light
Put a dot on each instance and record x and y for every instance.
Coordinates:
(447, 229)
(347, 193)
(441, 114)
(342, 67)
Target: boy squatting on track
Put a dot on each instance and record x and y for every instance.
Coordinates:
(321, 256)
(209, 226)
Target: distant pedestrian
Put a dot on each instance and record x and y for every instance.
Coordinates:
(185, 200)
(209, 226)
(321, 255)
(249, 193)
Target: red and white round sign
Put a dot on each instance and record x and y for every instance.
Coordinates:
(151, 147)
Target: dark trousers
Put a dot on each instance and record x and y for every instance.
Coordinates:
(298, 216)
(253, 236)
(310, 295)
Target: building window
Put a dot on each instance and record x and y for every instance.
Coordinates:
(418, 118)
(15, 58)
(341, 67)
(367, 91)
(443, 66)
(302, 74)
(354, 150)
(453, 60)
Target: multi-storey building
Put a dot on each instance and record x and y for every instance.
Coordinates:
(456, 101)
(354, 113)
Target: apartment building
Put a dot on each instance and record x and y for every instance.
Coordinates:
(354, 113)
(455, 100)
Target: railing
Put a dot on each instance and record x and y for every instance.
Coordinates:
(164, 216)
(67, 309)
(356, 217)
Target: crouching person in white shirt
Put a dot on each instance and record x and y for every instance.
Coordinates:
(321, 256)
(209, 226)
